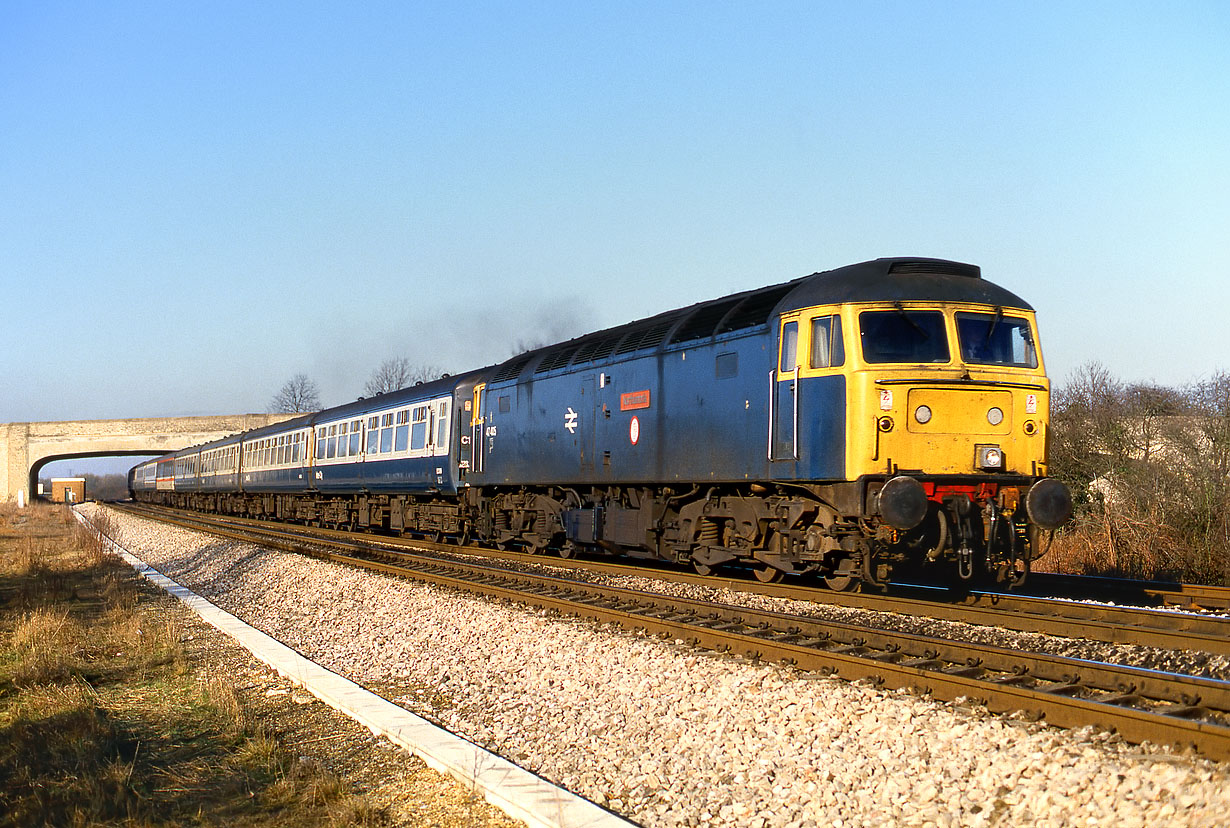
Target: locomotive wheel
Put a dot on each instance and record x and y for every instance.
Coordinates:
(703, 569)
(568, 550)
(840, 583)
(845, 576)
(768, 574)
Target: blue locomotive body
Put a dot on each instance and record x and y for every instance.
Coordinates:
(884, 414)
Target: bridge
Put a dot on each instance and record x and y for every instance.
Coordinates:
(26, 447)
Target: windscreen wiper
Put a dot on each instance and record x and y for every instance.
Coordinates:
(900, 310)
(999, 315)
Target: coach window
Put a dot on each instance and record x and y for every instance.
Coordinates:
(827, 348)
(418, 433)
(356, 427)
(321, 433)
(373, 435)
(790, 348)
(386, 433)
(442, 423)
(403, 431)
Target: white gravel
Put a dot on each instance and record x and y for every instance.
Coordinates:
(669, 736)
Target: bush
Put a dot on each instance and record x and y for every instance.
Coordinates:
(1149, 470)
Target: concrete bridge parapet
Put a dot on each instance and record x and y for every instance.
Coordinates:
(26, 447)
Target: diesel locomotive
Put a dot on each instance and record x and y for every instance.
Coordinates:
(883, 419)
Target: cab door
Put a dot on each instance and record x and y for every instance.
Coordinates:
(478, 437)
(784, 396)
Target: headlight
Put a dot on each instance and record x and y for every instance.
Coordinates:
(990, 458)
(922, 414)
(995, 416)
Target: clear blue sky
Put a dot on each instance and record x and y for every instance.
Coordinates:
(199, 200)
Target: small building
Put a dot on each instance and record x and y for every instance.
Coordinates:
(67, 489)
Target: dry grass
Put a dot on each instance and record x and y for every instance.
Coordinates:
(103, 720)
(1132, 540)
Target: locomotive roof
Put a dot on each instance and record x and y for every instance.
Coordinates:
(901, 280)
(881, 280)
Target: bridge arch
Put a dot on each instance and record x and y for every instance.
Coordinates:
(37, 465)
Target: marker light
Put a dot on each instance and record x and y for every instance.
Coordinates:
(995, 416)
(922, 414)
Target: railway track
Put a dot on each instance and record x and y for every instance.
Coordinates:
(1128, 591)
(1143, 626)
(1141, 704)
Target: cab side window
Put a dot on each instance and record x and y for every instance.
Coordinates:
(790, 347)
(827, 348)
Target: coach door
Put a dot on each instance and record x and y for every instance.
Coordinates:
(784, 396)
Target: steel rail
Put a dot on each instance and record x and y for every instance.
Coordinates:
(1140, 593)
(1142, 705)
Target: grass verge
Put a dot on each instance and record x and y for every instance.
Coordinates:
(103, 719)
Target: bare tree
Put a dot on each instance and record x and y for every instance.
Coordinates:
(1210, 399)
(297, 396)
(396, 373)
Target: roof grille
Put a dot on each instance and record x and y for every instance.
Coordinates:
(924, 268)
(701, 323)
(512, 368)
(597, 348)
(647, 337)
(755, 309)
(557, 358)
